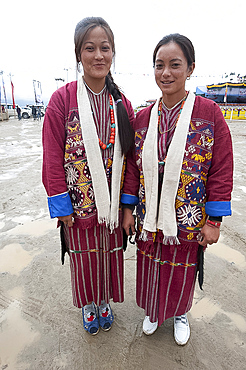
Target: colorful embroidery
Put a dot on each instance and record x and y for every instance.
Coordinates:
(158, 260)
(78, 177)
(72, 174)
(191, 196)
(96, 250)
(189, 215)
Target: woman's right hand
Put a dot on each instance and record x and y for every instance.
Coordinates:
(67, 220)
(128, 221)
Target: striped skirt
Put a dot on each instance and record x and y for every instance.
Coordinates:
(165, 282)
(96, 264)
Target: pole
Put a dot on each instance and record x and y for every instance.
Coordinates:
(12, 88)
(1, 101)
(5, 97)
(34, 81)
(57, 80)
(225, 97)
(40, 93)
(66, 69)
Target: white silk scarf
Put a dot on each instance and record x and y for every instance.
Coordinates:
(107, 206)
(165, 220)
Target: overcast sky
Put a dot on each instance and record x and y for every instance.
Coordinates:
(37, 41)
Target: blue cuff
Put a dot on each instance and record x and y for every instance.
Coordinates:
(129, 199)
(60, 205)
(217, 208)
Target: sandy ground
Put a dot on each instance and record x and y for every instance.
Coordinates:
(40, 328)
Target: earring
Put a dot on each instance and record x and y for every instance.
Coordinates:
(80, 67)
(188, 78)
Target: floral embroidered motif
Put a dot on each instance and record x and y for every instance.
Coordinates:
(189, 215)
(191, 196)
(72, 175)
(78, 176)
(195, 190)
(190, 236)
(76, 196)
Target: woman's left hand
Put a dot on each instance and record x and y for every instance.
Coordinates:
(209, 234)
(128, 222)
(68, 220)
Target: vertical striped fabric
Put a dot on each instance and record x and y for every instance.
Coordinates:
(96, 263)
(165, 279)
(168, 120)
(96, 256)
(163, 289)
(101, 114)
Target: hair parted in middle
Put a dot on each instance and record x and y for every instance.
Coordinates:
(84, 27)
(126, 133)
(184, 43)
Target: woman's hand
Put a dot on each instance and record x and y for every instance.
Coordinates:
(128, 221)
(68, 220)
(209, 234)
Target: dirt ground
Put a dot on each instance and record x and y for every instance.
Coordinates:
(40, 328)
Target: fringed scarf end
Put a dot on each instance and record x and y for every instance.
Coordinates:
(170, 240)
(104, 220)
(143, 236)
(113, 225)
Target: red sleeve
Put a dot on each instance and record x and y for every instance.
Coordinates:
(54, 137)
(132, 175)
(220, 176)
(129, 109)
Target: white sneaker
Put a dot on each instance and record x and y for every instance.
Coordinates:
(148, 326)
(181, 329)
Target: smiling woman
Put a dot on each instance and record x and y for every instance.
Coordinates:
(96, 57)
(182, 188)
(174, 62)
(86, 134)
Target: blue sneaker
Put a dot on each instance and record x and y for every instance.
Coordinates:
(90, 320)
(105, 315)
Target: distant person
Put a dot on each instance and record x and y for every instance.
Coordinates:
(18, 112)
(181, 181)
(86, 134)
(34, 112)
(39, 113)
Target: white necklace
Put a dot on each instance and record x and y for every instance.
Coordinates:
(93, 91)
(175, 104)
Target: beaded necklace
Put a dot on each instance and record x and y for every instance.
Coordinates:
(112, 133)
(175, 124)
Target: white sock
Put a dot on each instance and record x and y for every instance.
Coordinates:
(103, 304)
(89, 308)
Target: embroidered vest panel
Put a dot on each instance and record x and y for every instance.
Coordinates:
(78, 177)
(191, 195)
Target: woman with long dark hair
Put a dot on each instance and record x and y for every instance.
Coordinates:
(86, 134)
(181, 181)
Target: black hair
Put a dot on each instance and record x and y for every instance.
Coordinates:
(85, 26)
(126, 133)
(184, 43)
